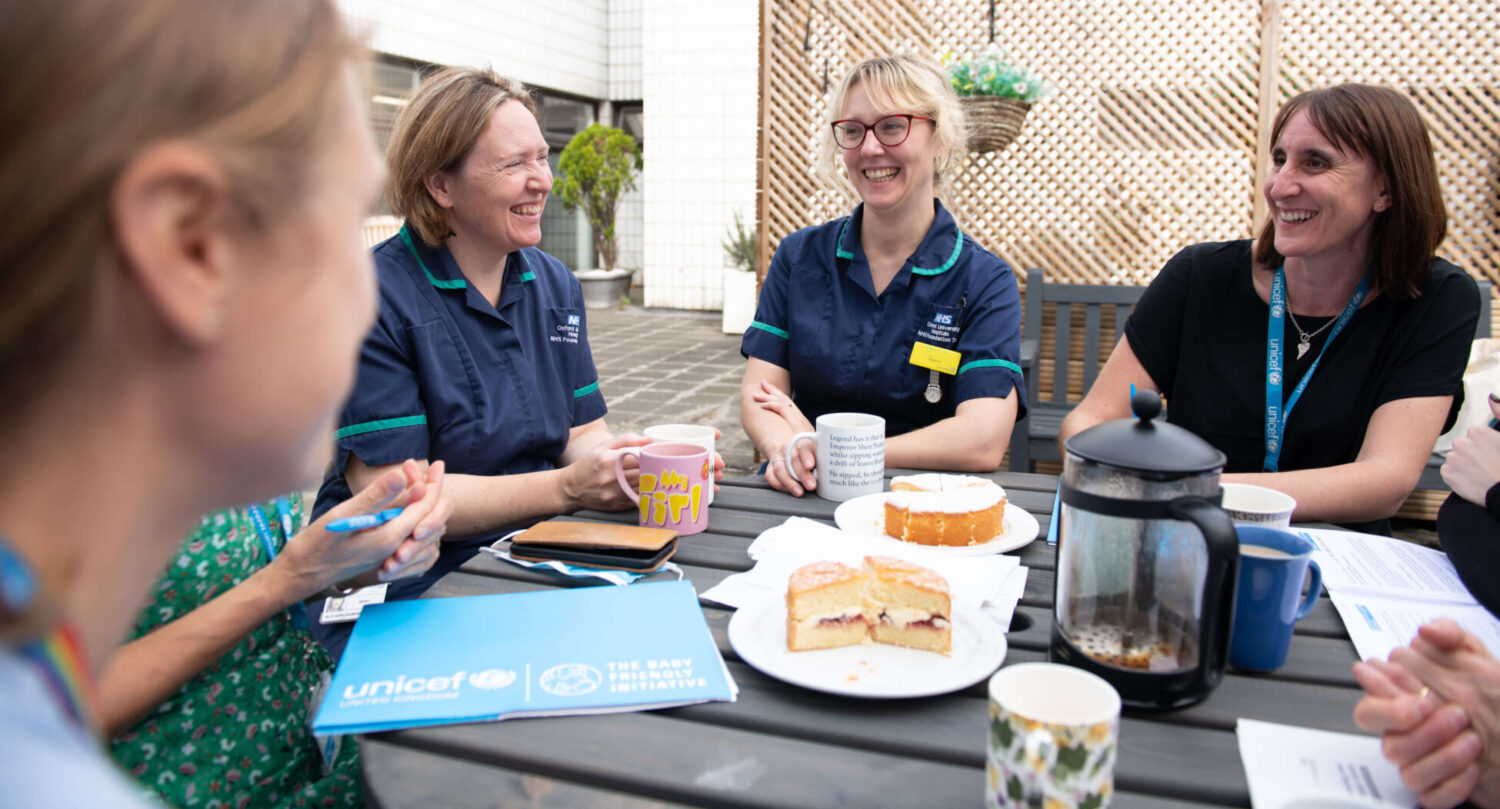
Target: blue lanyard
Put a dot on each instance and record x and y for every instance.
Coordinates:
(1276, 415)
(263, 528)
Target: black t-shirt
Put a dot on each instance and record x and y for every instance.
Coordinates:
(1470, 535)
(1200, 332)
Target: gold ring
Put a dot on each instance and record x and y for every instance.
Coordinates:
(1424, 692)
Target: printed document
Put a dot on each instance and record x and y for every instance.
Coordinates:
(1385, 588)
(1299, 768)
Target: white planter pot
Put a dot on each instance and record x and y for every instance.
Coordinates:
(602, 289)
(739, 300)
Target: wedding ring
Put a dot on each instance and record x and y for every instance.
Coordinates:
(1424, 692)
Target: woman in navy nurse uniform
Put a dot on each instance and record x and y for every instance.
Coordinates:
(845, 303)
(479, 356)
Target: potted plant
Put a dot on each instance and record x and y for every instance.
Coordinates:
(996, 95)
(598, 166)
(739, 277)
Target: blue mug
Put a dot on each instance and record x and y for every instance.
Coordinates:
(1273, 563)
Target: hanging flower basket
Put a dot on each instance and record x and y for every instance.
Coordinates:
(993, 121)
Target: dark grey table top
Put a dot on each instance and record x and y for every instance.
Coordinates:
(780, 745)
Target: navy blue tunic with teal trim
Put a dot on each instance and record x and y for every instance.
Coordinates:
(445, 375)
(847, 349)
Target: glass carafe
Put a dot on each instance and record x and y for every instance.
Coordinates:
(1146, 562)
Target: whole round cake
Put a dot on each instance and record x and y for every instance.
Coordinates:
(936, 509)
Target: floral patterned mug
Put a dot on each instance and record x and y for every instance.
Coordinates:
(1052, 738)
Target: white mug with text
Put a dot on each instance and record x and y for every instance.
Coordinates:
(850, 455)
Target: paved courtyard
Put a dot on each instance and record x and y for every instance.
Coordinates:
(661, 367)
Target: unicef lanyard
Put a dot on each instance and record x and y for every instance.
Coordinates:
(1276, 415)
(263, 528)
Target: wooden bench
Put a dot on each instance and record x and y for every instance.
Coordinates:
(1072, 373)
(1070, 377)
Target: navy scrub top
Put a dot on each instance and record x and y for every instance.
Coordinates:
(847, 349)
(446, 375)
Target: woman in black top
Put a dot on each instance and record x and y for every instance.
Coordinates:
(1339, 316)
(1469, 521)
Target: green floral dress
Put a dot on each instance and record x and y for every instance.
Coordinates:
(236, 735)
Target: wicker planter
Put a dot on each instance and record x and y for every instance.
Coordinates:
(993, 121)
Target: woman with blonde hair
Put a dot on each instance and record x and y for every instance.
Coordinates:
(480, 354)
(845, 303)
(183, 299)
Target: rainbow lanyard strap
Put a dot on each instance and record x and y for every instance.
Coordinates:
(57, 655)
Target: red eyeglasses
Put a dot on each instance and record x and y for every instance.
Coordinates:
(891, 130)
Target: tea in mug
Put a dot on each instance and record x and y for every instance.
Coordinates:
(1263, 552)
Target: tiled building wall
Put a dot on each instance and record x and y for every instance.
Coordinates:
(700, 81)
(625, 50)
(558, 44)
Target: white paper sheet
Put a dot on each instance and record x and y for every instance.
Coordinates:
(1299, 768)
(1386, 588)
(1385, 566)
(1379, 625)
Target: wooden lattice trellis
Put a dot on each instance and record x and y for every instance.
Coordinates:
(1150, 142)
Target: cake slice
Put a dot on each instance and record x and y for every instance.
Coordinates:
(826, 607)
(910, 605)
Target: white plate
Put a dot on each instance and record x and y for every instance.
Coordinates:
(865, 516)
(872, 670)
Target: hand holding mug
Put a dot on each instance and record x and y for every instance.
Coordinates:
(846, 456)
(589, 482)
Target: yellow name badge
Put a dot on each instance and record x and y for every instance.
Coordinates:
(926, 355)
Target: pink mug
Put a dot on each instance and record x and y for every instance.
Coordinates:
(674, 485)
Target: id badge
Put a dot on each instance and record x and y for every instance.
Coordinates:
(936, 360)
(346, 609)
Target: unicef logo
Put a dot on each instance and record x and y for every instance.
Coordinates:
(570, 680)
(1274, 377)
(1272, 445)
(491, 679)
(1276, 310)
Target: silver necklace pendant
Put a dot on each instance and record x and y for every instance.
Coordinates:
(933, 394)
(1303, 346)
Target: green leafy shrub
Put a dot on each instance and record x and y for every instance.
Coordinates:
(598, 166)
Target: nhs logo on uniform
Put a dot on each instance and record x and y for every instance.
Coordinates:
(943, 319)
(573, 320)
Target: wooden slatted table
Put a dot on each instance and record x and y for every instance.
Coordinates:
(784, 746)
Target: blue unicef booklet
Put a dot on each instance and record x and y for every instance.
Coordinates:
(553, 653)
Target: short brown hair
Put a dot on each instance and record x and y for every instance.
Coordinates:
(1383, 125)
(89, 85)
(435, 132)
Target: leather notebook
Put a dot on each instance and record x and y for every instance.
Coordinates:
(602, 545)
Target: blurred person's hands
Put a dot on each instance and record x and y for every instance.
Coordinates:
(1436, 704)
(1473, 465)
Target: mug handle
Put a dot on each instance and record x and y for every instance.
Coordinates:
(620, 472)
(1314, 589)
(792, 444)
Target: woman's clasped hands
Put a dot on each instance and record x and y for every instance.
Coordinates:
(1436, 704)
(804, 457)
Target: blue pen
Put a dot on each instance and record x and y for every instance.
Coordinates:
(364, 521)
